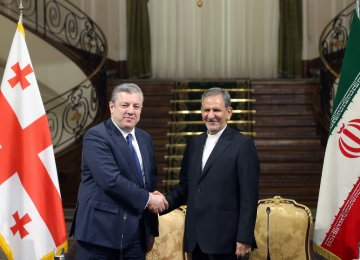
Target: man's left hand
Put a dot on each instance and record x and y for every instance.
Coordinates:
(242, 250)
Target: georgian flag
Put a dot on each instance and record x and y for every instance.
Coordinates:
(337, 225)
(32, 223)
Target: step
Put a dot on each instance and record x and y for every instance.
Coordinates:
(281, 109)
(286, 132)
(284, 99)
(290, 168)
(273, 143)
(289, 156)
(285, 120)
(295, 182)
(293, 89)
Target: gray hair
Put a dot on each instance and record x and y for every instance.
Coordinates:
(217, 91)
(129, 88)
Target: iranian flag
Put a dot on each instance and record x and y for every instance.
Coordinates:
(337, 225)
(32, 223)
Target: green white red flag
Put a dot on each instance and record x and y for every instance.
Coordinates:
(32, 223)
(337, 222)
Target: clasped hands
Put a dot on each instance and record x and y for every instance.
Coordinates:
(157, 202)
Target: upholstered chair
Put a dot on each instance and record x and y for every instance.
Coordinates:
(283, 229)
(169, 244)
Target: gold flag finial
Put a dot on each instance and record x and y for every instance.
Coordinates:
(199, 3)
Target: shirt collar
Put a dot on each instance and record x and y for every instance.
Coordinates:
(218, 134)
(124, 134)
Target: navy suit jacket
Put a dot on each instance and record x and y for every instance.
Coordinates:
(222, 198)
(111, 200)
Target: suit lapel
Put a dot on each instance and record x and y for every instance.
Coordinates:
(199, 153)
(144, 155)
(121, 144)
(223, 142)
(118, 139)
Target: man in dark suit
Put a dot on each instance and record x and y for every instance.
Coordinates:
(219, 183)
(112, 219)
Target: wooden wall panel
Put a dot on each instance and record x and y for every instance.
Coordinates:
(287, 141)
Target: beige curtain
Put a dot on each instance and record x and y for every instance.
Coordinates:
(221, 39)
(111, 17)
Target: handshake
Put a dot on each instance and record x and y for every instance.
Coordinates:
(157, 202)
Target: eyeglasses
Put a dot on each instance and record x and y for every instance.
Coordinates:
(127, 105)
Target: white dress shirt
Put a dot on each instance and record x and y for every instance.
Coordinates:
(210, 143)
(135, 145)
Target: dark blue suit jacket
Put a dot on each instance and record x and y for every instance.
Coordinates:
(222, 198)
(111, 201)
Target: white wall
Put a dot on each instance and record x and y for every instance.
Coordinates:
(110, 15)
(51, 67)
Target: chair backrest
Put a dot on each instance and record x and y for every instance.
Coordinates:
(169, 244)
(285, 226)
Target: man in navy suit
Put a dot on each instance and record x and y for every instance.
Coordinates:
(219, 183)
(112, 219)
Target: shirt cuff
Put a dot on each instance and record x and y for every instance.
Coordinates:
(147, 203)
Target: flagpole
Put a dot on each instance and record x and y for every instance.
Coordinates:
(39, 219)
(21, 9)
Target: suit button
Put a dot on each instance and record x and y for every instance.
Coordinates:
(198, 189)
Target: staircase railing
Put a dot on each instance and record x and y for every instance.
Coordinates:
(186, 118)
(332, 45)
(72, 32)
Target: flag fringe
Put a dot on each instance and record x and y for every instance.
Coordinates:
(325, 253)
(51, 256)
(21, 29)
(6, 249)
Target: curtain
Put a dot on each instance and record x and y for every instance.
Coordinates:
(221, 39)
(290, 39)
(138, 42)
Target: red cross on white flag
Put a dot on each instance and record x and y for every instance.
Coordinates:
(32, 220)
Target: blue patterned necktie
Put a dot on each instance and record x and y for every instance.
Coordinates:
(136, 158)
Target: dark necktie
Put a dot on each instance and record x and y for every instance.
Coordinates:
(136, 158)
